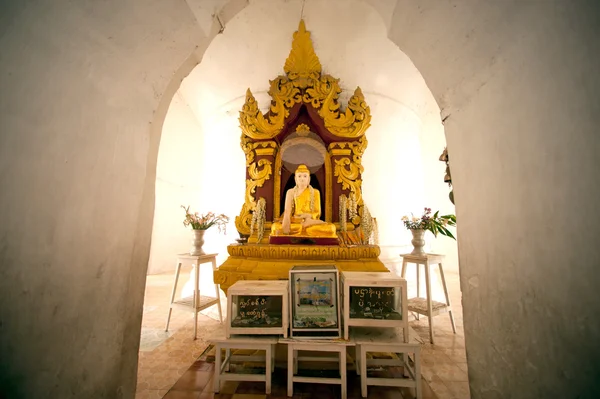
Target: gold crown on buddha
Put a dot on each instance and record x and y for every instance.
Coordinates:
(302, 169)
(302, 130)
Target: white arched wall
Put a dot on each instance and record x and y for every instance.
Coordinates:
(402, 171)
(85, 89)
(176, 185)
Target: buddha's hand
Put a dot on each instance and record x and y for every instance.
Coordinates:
(305, 216)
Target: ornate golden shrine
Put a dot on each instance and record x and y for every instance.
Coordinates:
(305, 114)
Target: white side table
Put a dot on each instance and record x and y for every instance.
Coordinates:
(196, 302)
(426, 306)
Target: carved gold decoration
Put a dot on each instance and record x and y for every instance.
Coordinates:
(349, 170)
(265, 151)
(341, 151)
(243, 221)
(302, 130)
(258, 177)
(347, 173)
(253, 122)
(272, 262)
(358, 149)
(316, 252)
(304, 83)
(352, 123)
(302, 65)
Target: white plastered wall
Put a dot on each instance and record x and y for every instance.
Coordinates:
(177, 183)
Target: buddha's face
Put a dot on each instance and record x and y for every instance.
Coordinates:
(302, 179)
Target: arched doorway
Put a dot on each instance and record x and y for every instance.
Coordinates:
(516, 85)
(404, 141)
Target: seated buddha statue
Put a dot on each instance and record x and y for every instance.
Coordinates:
(303, 210)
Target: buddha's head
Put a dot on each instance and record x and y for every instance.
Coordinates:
(302, 176)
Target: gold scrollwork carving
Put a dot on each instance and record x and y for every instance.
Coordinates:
(257, 179)
(254, 124)
(304, 83)
(348, 170)
(353, 122)
(258, 176)
(248, 147)
(358, 149)
(348, 173)
(243, 221)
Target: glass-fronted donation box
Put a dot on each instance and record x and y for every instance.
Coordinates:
(314, 300)
(257, 307)
(374, 300)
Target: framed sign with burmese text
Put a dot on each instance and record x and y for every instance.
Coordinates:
(314, 302)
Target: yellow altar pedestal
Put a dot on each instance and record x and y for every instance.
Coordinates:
(273, 262)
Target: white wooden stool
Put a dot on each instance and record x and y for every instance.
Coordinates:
(200, 302)
(386, 340)
(313, 345)
(264, 343)
(427, 306)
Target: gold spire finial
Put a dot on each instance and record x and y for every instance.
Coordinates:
(302, 63)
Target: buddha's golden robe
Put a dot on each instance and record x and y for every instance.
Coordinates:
(302, 205)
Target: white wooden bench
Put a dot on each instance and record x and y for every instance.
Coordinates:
(313, 345)
(264, 343)
(389, 340)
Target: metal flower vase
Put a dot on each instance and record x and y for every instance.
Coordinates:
(418, 242)
(197, 242)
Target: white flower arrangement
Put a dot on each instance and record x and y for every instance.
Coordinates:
(352, 206)
(259, 218)
(436, 223)
(348, 210)
(366, 223)
(375, 232)
(343, 211)
(205, 222)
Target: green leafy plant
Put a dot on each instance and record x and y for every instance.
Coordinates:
(204, 222)
(436, 224)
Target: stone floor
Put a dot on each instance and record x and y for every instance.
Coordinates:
(169, 365)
